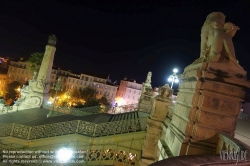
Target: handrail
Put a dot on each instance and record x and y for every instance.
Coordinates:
(227, 149)
(72, 127)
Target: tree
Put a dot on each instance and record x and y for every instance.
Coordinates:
(34, 62)
(88, 93)
(104, 101)
(52, 92)
(75, 94)
(11, 92)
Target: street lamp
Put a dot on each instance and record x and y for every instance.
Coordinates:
(173, 78)
(64, 154)
(56, 86)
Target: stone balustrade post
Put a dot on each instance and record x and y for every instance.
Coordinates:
(154, 126)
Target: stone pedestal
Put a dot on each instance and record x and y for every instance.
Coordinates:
(154, 130)
(208, 102)
(145, 103)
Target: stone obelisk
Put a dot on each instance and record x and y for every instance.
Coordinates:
(36, 93)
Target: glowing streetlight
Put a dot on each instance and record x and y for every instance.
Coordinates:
(64, 154)
(173, 78)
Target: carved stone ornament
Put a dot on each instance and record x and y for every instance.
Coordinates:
(148, 91)
(216, 40)
(148, 80)
(165, 92)
(52, 40)
(34, 76)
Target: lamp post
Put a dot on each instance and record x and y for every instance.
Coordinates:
(173, 78)
(56, 86)
(64, 154)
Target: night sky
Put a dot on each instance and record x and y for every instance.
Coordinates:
(118, 37)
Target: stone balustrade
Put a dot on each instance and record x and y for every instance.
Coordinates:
(107, 154)
(72, 127)
(229, 151)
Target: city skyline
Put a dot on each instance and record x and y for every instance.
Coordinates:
(118, 39)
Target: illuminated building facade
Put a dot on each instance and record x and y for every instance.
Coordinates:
(102, 84)
(2, 82)
(129, 92)
(17, 72)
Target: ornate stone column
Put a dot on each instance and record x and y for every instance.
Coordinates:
(208, 102)
(154, 125)
(36, 93)
(145, 104)
(210, 92)
(47, 63)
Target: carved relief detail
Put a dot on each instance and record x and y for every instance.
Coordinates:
(218, 122)
(213, 103)
(222, 105)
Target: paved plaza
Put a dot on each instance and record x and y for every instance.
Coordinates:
(242, 132)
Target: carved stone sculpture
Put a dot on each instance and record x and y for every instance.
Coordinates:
(216, 40)
(230, 29)
(52, 40)
(148, 80)
(147, 88)
(36, 93)
(165, 92)
(34, 76)
(210, 94)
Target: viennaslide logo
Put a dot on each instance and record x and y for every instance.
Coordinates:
(234, 155)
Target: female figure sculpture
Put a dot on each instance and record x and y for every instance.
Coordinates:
(216, 39)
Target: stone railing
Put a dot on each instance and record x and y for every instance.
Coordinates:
(227, 143)
(6, 109)
(72, 127)
(108, 154)
(229, 151)
(170, 112)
